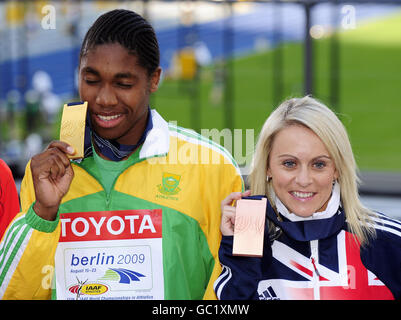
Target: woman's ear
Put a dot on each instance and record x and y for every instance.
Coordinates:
(268, 173)
(155, 79)
(336, 174)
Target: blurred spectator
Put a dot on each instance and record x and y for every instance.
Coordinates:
(42, 82)
(13, 99)
(9, 202)
(33, 145)
(32, 111)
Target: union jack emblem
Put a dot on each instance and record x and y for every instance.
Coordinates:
(351, 281)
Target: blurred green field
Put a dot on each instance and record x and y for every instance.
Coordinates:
(369, 95)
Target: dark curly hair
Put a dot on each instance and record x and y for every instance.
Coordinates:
(128, 29)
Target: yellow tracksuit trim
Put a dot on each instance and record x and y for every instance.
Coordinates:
(32, 278)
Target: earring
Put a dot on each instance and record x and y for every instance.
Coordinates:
(267, 178)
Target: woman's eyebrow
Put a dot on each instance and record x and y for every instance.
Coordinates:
(120, 75)
(124, 75)
(90, 70)
(322, 156)
(286, 155)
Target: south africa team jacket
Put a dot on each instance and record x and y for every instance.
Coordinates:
(315, 259)
(154, 236)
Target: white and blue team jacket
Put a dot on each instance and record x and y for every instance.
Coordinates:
(315, 259)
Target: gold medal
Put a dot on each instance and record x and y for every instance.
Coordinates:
(72, 129)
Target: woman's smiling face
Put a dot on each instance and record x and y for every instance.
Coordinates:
(117, 89)
(301, 169)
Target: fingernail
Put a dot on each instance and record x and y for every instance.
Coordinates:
(70, 150)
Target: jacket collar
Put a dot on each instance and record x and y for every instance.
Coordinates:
(332, 207)
(308, 229)
(157, 141)
(319, 225)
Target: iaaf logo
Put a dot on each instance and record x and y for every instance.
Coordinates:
(87, 289)
(111, 225)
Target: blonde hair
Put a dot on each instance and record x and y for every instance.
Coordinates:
(325, 124)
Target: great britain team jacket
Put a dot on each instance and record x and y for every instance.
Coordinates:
(315, 259)
(155, 235)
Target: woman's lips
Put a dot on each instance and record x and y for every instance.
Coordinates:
(108, 121)
(302, 196)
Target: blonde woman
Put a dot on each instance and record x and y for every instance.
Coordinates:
(320, 242)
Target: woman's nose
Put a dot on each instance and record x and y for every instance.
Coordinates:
(304, 177)
(106, 96)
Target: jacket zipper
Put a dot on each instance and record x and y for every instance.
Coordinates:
(108, 196)
(315, 262)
